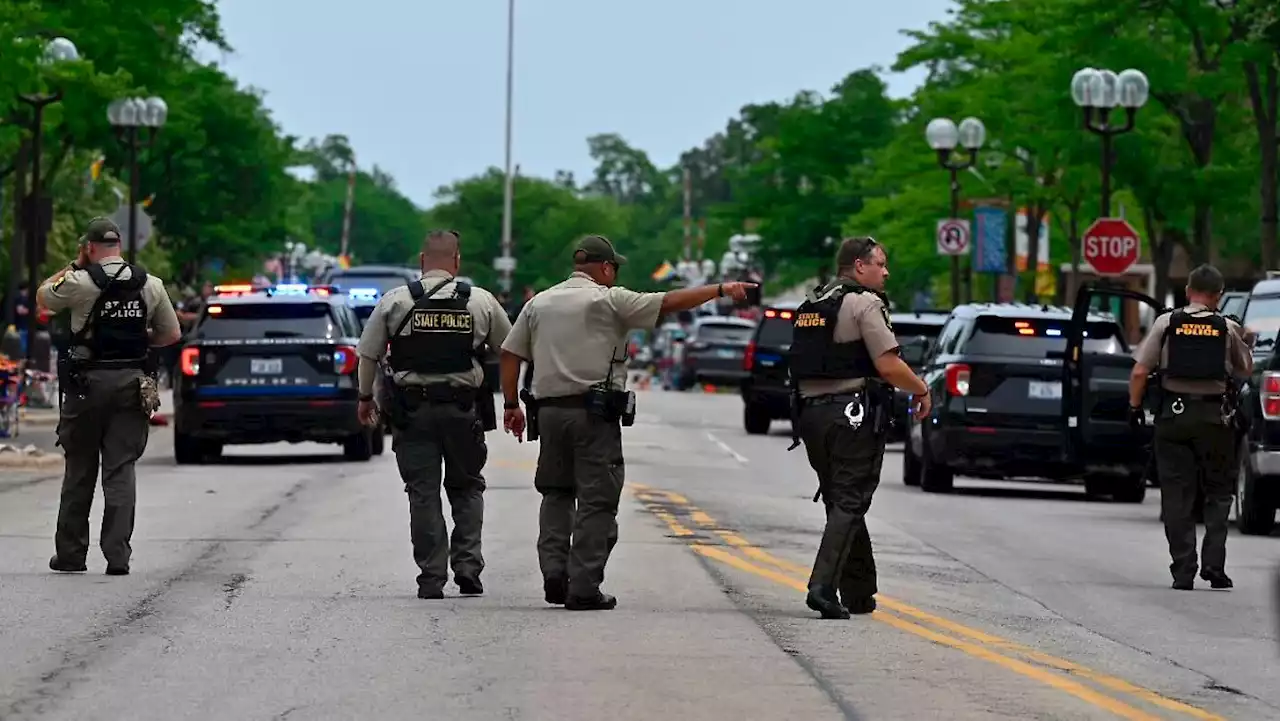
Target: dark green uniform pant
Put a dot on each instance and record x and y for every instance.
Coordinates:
(580, 476)
(847, 462)
(450, 434)
(1195, 451)
(105, 427)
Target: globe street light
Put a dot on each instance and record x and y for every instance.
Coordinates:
(38, 210)
(1098, 92)
(945, 137)
(127, 115)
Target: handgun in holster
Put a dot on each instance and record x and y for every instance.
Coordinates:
(393, 402)
(797, 407)
(530, 414)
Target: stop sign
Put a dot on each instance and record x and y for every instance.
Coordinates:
(1111, 245)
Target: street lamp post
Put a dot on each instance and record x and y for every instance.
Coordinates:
(1098, 93)
(945, 137)
(38, 215)
(127, 115)
(506, 262)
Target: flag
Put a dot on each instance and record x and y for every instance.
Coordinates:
(665, 272)
(95, 170)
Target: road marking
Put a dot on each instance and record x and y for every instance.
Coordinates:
(653, 499)
(725, 447)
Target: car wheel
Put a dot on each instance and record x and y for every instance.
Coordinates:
(910, 465)
(934, 478)
(1256, 512)
(188, 450)
(379, 441)
(358, 447)
(1132, 489)
(755, 420)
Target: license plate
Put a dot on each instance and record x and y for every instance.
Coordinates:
(266, 366)
(727, 354)
(1046, 390)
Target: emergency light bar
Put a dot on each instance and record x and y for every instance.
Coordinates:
(363, 292)
(232, 289)
(299, 289)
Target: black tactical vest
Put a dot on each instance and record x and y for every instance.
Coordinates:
(814, 353)
(440, 338)
(116, 330)
(1196, 346)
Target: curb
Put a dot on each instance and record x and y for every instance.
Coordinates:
(18, 460)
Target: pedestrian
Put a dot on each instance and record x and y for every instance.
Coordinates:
(1199, 355)
(118, 313)
(574, 334)
(437, 408)
(844, 358)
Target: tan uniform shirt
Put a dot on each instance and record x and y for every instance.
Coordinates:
(1153, 353)
(490, 324)
(572, 330)
(864, 317)
(77, 291)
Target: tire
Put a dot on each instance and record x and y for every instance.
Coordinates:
(1255, 512)
(359, 447)
(189, 450)
(1130, 490)
(755, 420)
(934, 478)
(910, 465)
(379, 441)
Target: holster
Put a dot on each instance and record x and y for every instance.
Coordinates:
(487, 408)
(797, 407)
(71, 375)
(530, 413)
(393, 403)
(612, 406)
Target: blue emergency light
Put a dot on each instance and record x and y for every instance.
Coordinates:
(363, 292)
(292, 288)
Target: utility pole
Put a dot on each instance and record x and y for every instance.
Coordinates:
(688, 214)
(346, 213)
(506, 264)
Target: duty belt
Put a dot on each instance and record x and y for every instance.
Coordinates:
(574, 401)
(441, 393)
(830, 398)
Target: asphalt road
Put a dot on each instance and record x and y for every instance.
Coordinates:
(279, 584)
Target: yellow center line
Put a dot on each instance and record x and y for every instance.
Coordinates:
(753, 552)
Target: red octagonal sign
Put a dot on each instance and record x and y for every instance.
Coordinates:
(1111, 246)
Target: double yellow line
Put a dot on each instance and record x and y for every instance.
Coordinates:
(1044, 668)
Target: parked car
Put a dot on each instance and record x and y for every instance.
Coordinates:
(714, 351)
(766, 389)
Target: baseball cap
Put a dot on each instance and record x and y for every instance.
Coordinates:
(102, 230)
(598, 249)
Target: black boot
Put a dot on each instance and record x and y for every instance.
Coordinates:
(823, 600)
(858, 605)
(602, 602)
(1216, 579)
(57, 564)
(555, 590)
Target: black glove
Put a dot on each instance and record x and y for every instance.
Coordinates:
(1137, 417)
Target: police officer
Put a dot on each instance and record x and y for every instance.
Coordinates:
(117, 314)
(438, 328)
(574, 335)
(842, 356)
(1198, 352)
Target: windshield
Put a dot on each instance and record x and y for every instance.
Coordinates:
(267, 320)
(381, 282)
(1039, 337)
(724, 333)
(913, 339)
(1263, 317)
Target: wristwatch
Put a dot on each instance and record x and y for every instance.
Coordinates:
(510, 405)
(720, 290)
(366, 398)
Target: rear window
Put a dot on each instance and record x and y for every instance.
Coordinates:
(775, 329)
(1037, 337)
(267, 320)
(721, 332)
(382, 283)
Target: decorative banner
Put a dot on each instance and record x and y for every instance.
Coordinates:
(990, 228)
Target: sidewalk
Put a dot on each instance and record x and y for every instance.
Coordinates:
(35, 449)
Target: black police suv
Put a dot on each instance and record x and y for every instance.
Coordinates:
(916, 331)
(270, 365)
(766, 390)
(382, 278)
(996, 373)
(1258, 484)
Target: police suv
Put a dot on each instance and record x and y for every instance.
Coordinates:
(266, 365)
(1258, 481)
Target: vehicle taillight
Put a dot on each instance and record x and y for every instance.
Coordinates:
(345, 360)
(190, 361)
(749, 357)
(1271, 395)
(958, 379)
